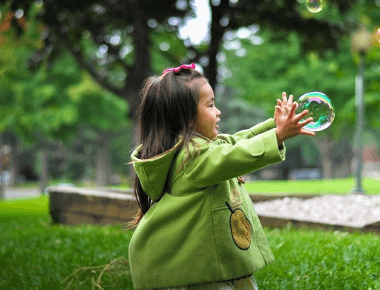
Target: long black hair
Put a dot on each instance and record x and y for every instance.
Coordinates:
(167, 110)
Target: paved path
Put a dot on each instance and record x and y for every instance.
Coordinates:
(345, 210)
(20, 192)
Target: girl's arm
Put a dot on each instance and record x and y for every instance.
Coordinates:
(249, 133)
(219, 160)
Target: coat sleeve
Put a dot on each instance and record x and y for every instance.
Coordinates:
(249, 133)
(219, 160)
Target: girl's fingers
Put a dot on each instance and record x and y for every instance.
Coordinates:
(307, 121)
(307, 132)
(293, 109)
(280, 110)
(301, 115)
(290, 100)
(279, 103)
(284, 98)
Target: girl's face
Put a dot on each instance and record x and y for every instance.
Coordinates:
(207, 114)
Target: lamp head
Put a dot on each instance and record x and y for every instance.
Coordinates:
(361, 39)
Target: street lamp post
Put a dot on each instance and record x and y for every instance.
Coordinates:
(361, 42)
(2, 194)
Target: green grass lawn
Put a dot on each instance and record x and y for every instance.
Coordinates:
(328, 186)
(34, 254)
(316, 259)
(323, 186)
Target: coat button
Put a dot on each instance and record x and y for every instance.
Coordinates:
(241, 180)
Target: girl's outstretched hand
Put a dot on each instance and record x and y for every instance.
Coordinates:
(285, 103)
(288, 123)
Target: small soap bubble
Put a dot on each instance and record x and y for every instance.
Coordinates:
(314, 6)
(320, 109)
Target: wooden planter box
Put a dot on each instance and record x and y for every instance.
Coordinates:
(72, 205)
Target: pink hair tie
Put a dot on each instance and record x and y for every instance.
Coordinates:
(177, 69)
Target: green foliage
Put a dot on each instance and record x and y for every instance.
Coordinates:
(237, 114)
(97, 107)
(52, 101)
(281, 63)
(260, 73)
(76, 170)
(280, 66)
(167, 50)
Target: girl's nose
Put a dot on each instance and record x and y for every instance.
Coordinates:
(218, 113)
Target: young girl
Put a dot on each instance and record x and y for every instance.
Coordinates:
(197, 228)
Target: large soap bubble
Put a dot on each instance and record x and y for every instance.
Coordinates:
(314, 6)
(320, 109)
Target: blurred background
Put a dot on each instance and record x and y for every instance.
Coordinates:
(70, 74)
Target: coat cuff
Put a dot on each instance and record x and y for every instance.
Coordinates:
(272, 149)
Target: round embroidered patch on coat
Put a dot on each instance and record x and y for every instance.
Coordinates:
(240, 228)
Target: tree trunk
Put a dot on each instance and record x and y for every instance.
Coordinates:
(13, 168)
(327, 165)
(103, 170)
(2, 192)
(217, 32)
(44, 171)
(2, 187)
(326, 147)
(345, 167)
(336, 155)
(141, 68)
(343, 160)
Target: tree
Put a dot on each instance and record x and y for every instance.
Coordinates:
(113, 37)
(46, 106)
(108, 39)
(103, 114)
(117, 41)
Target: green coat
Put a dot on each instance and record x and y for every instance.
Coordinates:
(203, 227)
